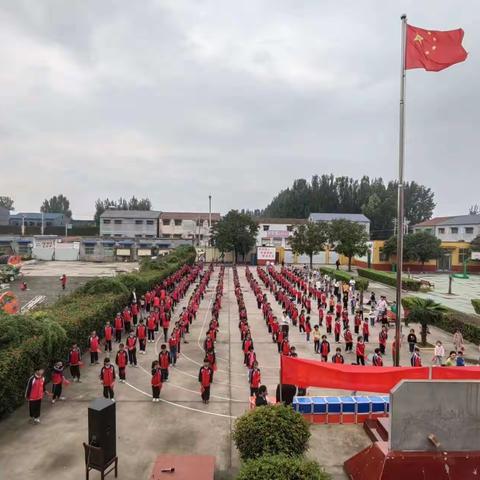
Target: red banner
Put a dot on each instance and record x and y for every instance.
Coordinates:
(312, 373)
(455, 373)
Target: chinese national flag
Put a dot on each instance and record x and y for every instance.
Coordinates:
(433, 50)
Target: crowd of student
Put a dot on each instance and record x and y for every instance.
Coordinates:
(138, 323)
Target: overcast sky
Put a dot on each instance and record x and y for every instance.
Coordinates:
(179, 99)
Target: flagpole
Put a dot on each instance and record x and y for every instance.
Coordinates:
(400, 200)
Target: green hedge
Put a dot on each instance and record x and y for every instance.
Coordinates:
(389, 279)
(476, 305)
(452, 320)
(281, 467)
(271, 430)
(51, 331)
(360, 283)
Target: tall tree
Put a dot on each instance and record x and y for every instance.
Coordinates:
(57, 204)
(6, 202)
(474, 209)
(235, 232)
(350, 239)
(309, 239)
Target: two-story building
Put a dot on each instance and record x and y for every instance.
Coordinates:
(192, 226)
(460, 228)
(35, 219)
(276, 232)
(352, 217)
(130, 223)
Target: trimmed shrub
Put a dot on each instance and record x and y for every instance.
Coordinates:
(281, 467)
(42, 338)
(476, 305)
(389, 279)
(360, 283)
(273, 429)
(103, 285)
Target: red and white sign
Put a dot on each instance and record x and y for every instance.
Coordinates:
(266, 253)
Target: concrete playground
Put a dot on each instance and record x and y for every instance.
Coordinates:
(180, 423)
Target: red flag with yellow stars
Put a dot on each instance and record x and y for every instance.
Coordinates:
(433, 50)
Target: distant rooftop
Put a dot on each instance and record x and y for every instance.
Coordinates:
(454, 220)
(281, 221)
(328, 217)
(130, 214)
(189, 216)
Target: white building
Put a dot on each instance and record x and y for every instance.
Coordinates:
(452, 229)
(188, 226)
(353, 217)
(276, 232)
(130, 223)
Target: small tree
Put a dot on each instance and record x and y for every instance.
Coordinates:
(57, 204)
(423, 311)
(350, 239)
(271, 430)
(282, 467)
(235, 232)
(309, 239)
(6, 202)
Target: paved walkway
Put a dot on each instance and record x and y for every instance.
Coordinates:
(181, 423)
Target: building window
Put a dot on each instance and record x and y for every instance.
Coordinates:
(23, 249)
(49, 224)
(454, 230)
(178, 222)
(289, 228)
(106, 221)
(138, 222)
(429, 230)
(463, 255)
(166, 235)
(89, 249)
(441, 230)
(166, 221)
(138, 235)
(118, 235)
(150, 236)
(117, 222)
(32, 224)
(149, 222)
(108, 250)
(266, 228)
(177, 235)
(469, 230)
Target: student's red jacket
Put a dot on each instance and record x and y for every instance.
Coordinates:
(337, 327)
(74, 357)
(365, 328)
(164, 359)
(93, 342)
(360, 349)
(107, 375)
(338, 358)
(205, 376)
(141, 332)
(348, 336)
(118, 323)
(255, 378)
(35, 388)
(121, 359)
(131, 343)
(108, 332)
(156, 377)
(324, 348)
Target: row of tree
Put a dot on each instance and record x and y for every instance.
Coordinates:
(372, 197)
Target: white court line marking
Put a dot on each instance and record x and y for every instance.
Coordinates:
(194, 391)
(180, 406)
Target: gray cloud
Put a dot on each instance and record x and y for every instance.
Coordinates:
(177, 99)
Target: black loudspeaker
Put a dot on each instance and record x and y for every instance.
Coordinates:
(102, 427)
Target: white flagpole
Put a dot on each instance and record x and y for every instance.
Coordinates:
(400, 202)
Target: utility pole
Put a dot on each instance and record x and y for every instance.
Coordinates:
(42, 228)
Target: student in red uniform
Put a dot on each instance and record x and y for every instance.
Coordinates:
(205, 376)
(165, 326)
(382, 340)
(118, 326)
(251, 358)
(337, 329)
(377, 360)
(94, 342)
(121, 360)
(416, 360)
(57, 382)
(255, 379)
(360, 351)
(127, 320)
(324, 348)
(132, 349)
(156, 381)
(357, 322)
(108, 334)
(365, 330)
(348, 340)
(247, 343)
(164, 362)
(142, 336)
(34, 394)
(63, 281)
(321, 314)
(74, 358)
(338, 357)
(328, 321)
(107, 377)
(285, 347)
(151, 328)
(134, 310)
(172, 345)
(308, 328)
